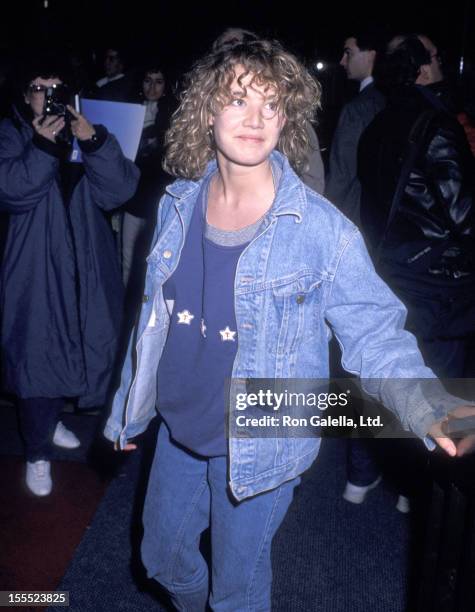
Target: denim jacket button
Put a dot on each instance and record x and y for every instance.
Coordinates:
(300, 299)
(167, 254)
(144, 299)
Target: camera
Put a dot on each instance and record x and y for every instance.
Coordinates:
(57, 98)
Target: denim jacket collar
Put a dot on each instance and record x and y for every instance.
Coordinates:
(289, 199)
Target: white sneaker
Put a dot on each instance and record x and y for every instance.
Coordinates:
(403, 504)
(38, 477)
(356, 494)
(64, 437)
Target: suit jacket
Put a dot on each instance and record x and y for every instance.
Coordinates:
(118, 90)
(343, 187)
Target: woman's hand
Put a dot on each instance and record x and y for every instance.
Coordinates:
(462, 431)
(49, 126)
(80, 126)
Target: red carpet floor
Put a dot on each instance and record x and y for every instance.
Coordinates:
(38, 536)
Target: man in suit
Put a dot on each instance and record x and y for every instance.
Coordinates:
(344, 190)
(359, 55)
(118, 84)
(113, 67)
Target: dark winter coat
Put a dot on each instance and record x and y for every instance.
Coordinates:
(61, 292)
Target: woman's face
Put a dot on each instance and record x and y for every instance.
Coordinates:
(247, 129)
(153, 86)
(35, 95)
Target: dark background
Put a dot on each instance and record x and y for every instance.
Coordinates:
(183, 30)
(179, 31)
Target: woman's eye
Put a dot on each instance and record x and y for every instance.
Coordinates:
(239, 102)
(272, 106)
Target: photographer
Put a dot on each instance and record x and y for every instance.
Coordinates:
(61, 291)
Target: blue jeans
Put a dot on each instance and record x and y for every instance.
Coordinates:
(186, 494)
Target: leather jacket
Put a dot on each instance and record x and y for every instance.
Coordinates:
(431, 234)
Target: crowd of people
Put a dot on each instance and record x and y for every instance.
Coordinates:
(402, 170)
(244, 271)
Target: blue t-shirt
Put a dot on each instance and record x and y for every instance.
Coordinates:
(202, 340)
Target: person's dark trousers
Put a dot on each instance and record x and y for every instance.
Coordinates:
(446, 358)
(38, 419)
(361, 467)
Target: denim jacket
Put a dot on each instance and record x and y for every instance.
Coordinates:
(304, 276)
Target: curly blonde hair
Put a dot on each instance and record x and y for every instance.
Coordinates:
(189, 140)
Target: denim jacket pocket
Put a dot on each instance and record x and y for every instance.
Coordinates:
(297, 303)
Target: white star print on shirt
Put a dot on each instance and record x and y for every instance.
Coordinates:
(185, 317)
(227, 334)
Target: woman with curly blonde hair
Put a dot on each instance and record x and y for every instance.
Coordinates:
(241, 105)
(296, 96)
(249, 268)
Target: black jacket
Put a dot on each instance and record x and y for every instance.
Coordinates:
(153, 178)
(426, 252)
(432, 231)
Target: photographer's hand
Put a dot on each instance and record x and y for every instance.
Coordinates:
(49, 126)
(80, 126)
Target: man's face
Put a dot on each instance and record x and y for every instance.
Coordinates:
(434, 73)
(35, 95)
(358, 64)
(112, 63)
(247, 129)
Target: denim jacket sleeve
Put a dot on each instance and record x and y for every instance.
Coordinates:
(117, 428)
(368, 322)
